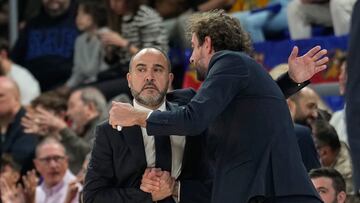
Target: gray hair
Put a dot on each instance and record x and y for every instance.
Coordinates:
(90, 95)
(47, 141)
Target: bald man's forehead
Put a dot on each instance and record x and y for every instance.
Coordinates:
(9, 85)
(152, 56)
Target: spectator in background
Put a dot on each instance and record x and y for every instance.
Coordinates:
(89, 53)
(13, 139)
(86, 108)
(338, 118)
(308, 106)
(4, 19)
(52, 163)
(271, 19)
(45, 46)
(133, 26)
(28, 85)
(333, 153)
(330, 185)
(302, 14)
(10, 190)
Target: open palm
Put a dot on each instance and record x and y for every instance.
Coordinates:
(303, 68)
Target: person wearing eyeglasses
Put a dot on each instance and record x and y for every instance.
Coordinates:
(51, 162)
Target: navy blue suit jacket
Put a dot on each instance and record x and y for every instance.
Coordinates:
(250, 133)
(308, 151)
(353, 95)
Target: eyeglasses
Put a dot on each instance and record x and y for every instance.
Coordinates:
(47, 160)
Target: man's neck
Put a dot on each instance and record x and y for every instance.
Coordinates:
(140, 106)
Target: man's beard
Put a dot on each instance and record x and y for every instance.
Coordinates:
(200, 73)
(149, 101)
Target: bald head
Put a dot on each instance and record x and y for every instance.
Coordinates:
(152, 50)
(9, 85)
(9, 99)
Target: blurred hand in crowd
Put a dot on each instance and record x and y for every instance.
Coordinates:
(30, 181)
(10, 193)
(110, 37)
(42, 122)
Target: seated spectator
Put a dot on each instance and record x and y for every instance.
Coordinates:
(45, 46)
(4, 19)
(271, 19)
(332, 152)
(86, 108)
(133, 26)
(13, 140)
(330, 185)
(10, 190)
(338, 118)
(28, 85)
(308, 103)
(89, 53)
(302, 14)
(52, 163)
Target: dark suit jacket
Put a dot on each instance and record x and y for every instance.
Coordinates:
(308, 151)
(353, 95)
(20, 145)
(118, 162)
(250, 132)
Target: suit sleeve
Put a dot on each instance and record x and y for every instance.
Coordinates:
(226, 78)
(100, 182)
(288, 86)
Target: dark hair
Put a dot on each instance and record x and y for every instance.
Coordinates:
(4, 44)
(96, 9)
(7, 160)
(338, 181)
(115, 20)
(325, 135)
(225, 31)
(51, 100)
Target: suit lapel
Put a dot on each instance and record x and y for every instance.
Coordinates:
(133, 138)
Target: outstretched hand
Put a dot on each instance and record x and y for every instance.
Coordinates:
(303, 68)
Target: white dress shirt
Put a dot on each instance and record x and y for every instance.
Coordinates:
(177, 146)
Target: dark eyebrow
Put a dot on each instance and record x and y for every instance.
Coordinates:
(159, 66)
(140, 64)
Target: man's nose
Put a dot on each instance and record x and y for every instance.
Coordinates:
(150, 76)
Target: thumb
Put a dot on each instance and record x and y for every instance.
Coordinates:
(294, 53)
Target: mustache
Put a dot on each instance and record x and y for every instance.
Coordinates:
(149, 84)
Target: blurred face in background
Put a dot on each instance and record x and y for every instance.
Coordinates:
(9, 98)
(56, 8)
(342, 78)
(10, 175)
(118, 6)
(306, 107)
(326, 190)
(51, 162)
(84, 21)
(78, 112)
